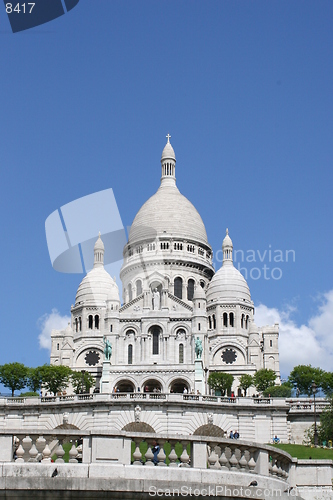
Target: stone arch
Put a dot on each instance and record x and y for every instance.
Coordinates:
(152, 385)
(138, 427)
(209, 430)
(177, 386)
(125, 385)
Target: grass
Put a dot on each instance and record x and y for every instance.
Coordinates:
(301, 451)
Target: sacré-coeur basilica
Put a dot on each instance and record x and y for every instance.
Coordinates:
(172, 298)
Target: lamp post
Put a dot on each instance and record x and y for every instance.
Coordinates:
(314, 390)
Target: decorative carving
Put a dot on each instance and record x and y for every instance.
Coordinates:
(229, 356)
(137, 413)
(137, 308)
(92, 358)
(210, 418)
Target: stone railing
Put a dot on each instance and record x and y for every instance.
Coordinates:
(307, 404)
(116, 447)
(167, 397)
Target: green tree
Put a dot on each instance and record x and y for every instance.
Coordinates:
(325, 430)
(14, 376)
(327, 383)
(302, 377)
(278, 391)
(220, 381)
(82, 382)
(245, 381)
(56, 377)
(264, 378)
(36, 377)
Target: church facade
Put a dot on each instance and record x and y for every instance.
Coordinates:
(178, 320)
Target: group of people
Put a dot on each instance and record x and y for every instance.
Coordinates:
(234, 435)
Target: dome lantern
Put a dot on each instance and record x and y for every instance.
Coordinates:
(227, 247)
(99, 252)
(168, 162)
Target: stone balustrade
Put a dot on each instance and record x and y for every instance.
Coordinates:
(307, 404)
(116, 447)
(172, 397)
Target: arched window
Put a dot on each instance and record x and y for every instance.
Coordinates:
(246, 322)
(181, 353)
(190, 289)
(225, 319)
(97, 322)
(130, 332)
(130, 295)
(202, 284)
(242, 321)
(130, 354)
(80, 324)
(178, 288)
(138, 288)
(210, 322)
(214, 322)
(110, 328)
(156, 338)
(76, 325)
(199, 327)
(90, 321)
(231, 319)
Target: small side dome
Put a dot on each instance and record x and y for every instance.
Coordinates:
(228, 284)
(96, 287)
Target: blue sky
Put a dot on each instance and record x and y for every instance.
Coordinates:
(245, 90)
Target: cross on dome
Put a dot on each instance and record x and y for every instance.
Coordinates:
(168, 137)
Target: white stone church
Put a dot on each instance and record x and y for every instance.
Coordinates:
(172, 298)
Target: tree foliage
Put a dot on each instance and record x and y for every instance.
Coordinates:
(278, 391)
(14, 376)
(82, 382)
(220, 381)
(36, 377)
(302, 376)
(326, 423)
(56, 377)
(327, 383)
(245, 381)
(264, 378)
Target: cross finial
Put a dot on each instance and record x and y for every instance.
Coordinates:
(168, 137)
(227, 232)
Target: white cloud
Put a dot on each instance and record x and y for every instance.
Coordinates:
(309, 343)
(49, 322)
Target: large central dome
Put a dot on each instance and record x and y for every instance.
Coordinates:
(168, 212)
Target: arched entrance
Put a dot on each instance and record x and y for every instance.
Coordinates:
(152, 385)
(179, 386)
(124, 386)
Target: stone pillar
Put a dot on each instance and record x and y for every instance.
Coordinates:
(199, 384)
(105, 380)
